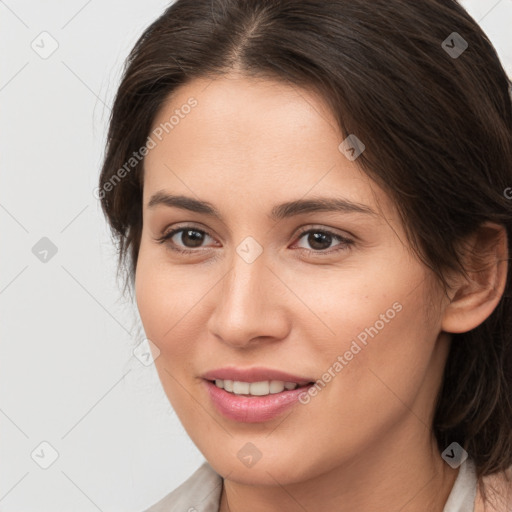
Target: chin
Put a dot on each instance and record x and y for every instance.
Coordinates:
(270, 471)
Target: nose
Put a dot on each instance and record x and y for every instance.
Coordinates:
(249, 305)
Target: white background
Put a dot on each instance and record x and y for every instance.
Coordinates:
(67, 372)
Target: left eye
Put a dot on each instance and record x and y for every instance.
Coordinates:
(320, 240)
(192, 238)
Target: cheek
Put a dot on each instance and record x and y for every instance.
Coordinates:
(386, 351)
(156, 295)
(170, 299)
(360, 299)
(373, 328)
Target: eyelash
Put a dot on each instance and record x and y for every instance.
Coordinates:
(345, 243)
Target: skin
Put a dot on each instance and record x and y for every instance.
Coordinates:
(248, 145)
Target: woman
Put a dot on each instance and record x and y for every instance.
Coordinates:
(312, 200)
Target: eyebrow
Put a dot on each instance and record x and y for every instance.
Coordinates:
(280, 211)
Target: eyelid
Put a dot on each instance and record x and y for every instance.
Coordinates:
(184, 225)
(324, 229)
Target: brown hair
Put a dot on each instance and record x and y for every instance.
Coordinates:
(440, 127)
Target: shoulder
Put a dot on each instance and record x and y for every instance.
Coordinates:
(199, 493)
(498, 493)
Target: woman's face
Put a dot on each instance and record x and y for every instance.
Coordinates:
(272, 287)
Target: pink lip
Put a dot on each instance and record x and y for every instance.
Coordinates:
(253, 409)
(254, 375)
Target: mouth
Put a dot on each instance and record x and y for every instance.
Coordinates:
(254, 402)
(255, 394)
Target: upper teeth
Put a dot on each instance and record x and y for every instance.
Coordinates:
(254, 388)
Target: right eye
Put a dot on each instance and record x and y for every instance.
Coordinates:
(187, 235)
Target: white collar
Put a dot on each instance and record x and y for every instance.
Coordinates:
(463, 494)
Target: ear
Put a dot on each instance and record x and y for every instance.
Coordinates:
(485, 258)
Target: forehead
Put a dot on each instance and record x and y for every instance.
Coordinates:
(254, 138)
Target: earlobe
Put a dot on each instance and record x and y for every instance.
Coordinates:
(485, 257)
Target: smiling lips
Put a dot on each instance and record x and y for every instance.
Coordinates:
(255, 394)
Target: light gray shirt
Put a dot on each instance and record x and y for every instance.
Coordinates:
(202, 490)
